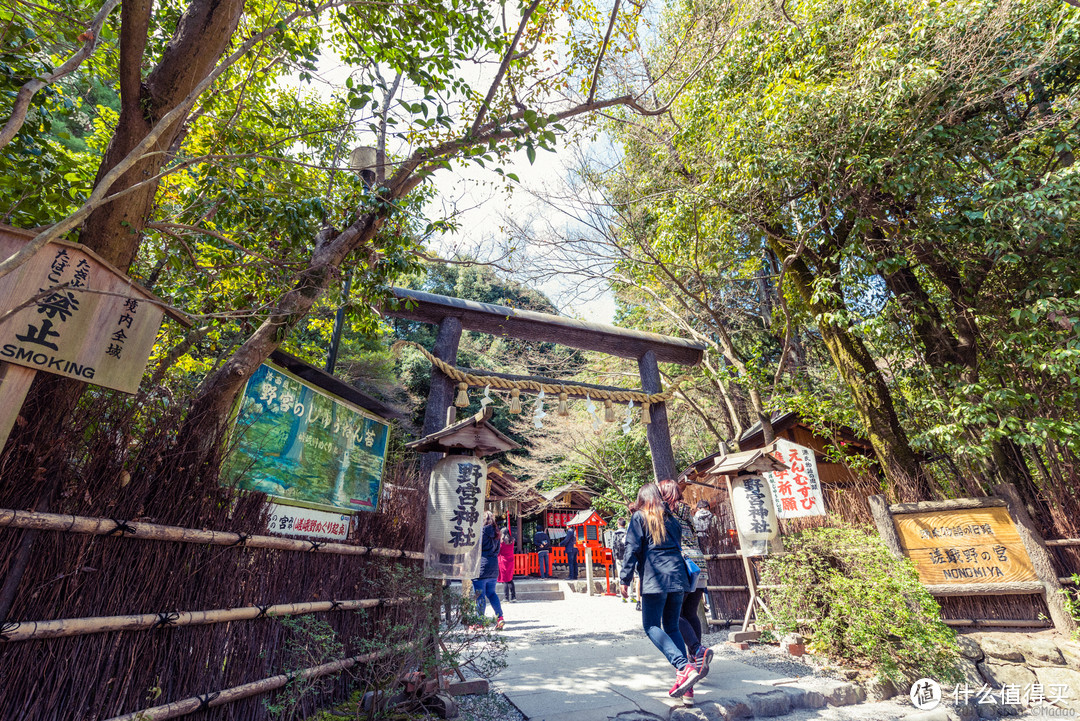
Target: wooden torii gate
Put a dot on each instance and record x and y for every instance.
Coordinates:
(453, 315)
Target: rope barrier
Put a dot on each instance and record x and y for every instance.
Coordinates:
(516, 386)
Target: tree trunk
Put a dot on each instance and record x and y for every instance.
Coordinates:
(871, 395)
(114, 230)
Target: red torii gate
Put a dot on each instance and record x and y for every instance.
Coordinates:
(453, 315)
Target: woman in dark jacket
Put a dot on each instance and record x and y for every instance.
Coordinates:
(485, 583)
(653, 550)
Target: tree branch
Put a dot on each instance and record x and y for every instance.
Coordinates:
(26, 92)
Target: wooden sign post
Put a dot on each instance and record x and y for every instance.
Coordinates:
(68, 312)
(974, 547)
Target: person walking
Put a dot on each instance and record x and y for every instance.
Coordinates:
(704, 520)
(689, 621)
(485, 582)
(618, 546)
(543, 552)
(653, 551)
(569, 542)
(506, 566)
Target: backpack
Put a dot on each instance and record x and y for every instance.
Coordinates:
(619, 546)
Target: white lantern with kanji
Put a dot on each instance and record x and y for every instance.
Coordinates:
(752, 504)
(455, 517)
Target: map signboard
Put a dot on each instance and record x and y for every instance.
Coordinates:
(305, 446)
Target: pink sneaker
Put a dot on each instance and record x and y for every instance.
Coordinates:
(702, 660)
(685, 678)
(688, 697)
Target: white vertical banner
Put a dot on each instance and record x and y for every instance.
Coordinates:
(797, 490)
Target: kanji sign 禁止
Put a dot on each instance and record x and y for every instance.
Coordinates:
(796, 491)
(67, 312)
(82, 318)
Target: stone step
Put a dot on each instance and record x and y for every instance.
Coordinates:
(540, 595)
(537, 585)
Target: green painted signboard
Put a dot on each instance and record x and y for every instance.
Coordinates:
(304, 446)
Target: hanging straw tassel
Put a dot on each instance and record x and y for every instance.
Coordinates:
(562, 405)
(609, 411)
(515, 401)
(645, 412)
(462, 395)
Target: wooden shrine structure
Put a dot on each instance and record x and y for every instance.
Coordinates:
(453, 315)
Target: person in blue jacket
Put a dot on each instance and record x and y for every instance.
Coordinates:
(654, 551)
(485, 583)
(569, 542)
(543, 552)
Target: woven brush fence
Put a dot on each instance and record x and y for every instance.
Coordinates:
(96, 676)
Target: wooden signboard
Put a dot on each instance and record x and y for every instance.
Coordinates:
(966, 546)
(974, 547)
(68, 312)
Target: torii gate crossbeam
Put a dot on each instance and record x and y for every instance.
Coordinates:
(453, 315)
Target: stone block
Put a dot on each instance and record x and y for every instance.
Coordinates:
(809, 699)
(743, 646)
(845, 694)
(1002, 674)
(687, 713)
(1001, 646)
(997, 710)
(966, 711)
(743, 636)
(465, 688)
(795, 649)
(770, 703)
(1041, 651)
(1059, 676)
(796, 696)
(941, 713)
(879, 689)
(726, 709)
(972, 677)
(1071, 653)
(969, 648)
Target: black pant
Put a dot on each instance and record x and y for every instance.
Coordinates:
(571, 556)
(689, 623)
(509, 591)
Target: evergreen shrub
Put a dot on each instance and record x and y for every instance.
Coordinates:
(859, 605)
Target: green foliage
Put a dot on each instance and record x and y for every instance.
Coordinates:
(309, 641)
(859, 604)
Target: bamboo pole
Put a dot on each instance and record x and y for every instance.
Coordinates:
(62, 628)
(236, 693)
(65, 523)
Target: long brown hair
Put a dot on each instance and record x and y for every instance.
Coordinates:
(669, 491)
(651, 505)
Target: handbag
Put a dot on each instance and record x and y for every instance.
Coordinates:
(694, 571)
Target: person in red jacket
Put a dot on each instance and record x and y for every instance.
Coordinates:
(506, 566)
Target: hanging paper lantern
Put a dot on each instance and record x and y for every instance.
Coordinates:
(455, 517)
(752, 504)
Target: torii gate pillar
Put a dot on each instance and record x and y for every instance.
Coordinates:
(441, 394)
(657, 433)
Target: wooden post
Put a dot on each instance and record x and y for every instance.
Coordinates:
(659, 437)
(589, 570)
(441, 393)
(1040, 558)
(517, 538)
(879, 509)
(15, 381)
